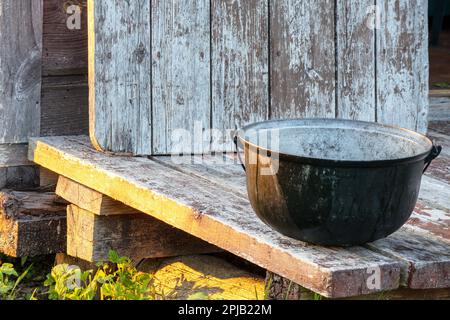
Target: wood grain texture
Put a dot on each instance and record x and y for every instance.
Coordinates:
(420, 248)
(65, 51)
(19, 178)
(31, 224)
(13, 155)
(355, 40)
(439, 109)
(221, 64)
(119, 75)
(302, 58)
(279, 288)
(426, 260)
(198, 206)
(64, 94)
(90, 200)
(139, 236)
(440, 139)
(240, 67)
(402, 64)
(65, 106)
(47, 179)
(181, 76)
(20, 69)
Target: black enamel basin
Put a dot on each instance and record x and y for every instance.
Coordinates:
(333, 182)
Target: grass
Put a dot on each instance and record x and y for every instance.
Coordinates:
(115, 279)
(28, 276)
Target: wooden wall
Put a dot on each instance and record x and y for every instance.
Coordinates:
(209, 64)
(20, 76)
(158, 67)
(64, 71)
(43, 81)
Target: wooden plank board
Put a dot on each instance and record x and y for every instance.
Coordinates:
(435, 193)
(20, 69)
(31, 224)
(221, 64)
(441, 126)
(355, 41)
(240, 67)
(13, 155)
(440, 168)
(64, 94)
(19, 178)
(302, 50)
(90, 237)
(181, 76)
(426, 260)
(47, 179)
(431, 218)
(90, 200)
(214, 169)
(119, 75)
(216, 215)
(65, 50)
(440, 139)
(439, 109)
(440, 93)
(402, 64)
(65, 106)
(279, 288)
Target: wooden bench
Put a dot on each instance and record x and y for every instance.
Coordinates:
(208, 200)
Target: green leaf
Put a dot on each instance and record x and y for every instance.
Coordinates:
(23, 260)
(199, 296)
(8, 269)
(113, 256)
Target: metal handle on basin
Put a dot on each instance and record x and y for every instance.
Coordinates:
(435, 152)
(235, 139)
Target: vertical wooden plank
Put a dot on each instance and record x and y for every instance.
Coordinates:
(181, 75)
(64, 49)
(20, 69)
(402, 64)
(355, 29)
(14, 155)
(302, 58)
(240, 59)
(119, 75)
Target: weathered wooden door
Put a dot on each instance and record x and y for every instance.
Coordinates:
(20, 77)
(173, 76)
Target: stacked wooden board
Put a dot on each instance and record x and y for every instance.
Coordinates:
(171, 77)
(97, 224)
(207, 199)
(31, 223)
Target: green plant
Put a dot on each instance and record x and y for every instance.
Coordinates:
(125, 283)
(199, 296)
(70, 283)
(9, 281)
(318, 297)
(116, 280)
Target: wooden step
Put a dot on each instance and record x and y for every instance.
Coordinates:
(138, 236)
(90, 200)
(207, 200)
(31, 224)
